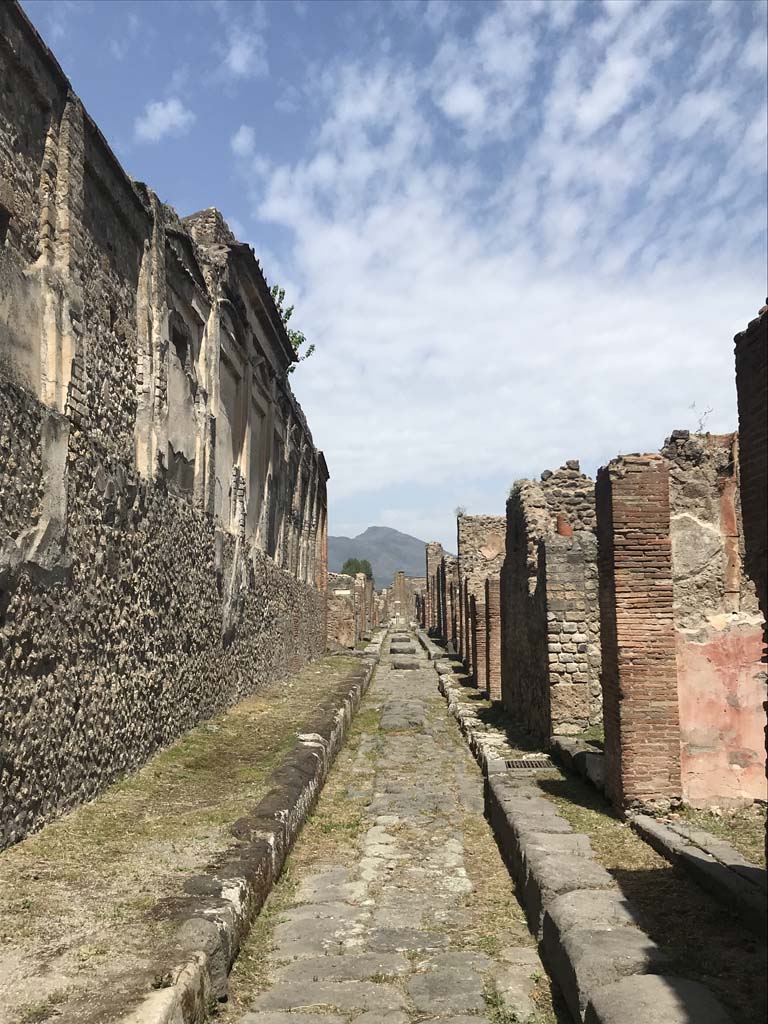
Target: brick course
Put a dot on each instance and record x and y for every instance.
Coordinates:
(642, 726)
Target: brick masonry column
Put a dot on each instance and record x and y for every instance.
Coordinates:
(640, 706)
(480, 645)
(493, 637)
(471, 660)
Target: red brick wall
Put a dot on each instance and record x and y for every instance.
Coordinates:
(639, 673)
(493, 638)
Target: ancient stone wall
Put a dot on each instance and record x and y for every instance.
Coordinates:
(163, 508)
(342, 621)
(432, 599)
(752, 387)
(480, 555)
(407, 600)
(720, 678)
(550, 621)
(637, 629)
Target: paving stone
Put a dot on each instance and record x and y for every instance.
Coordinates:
(399, 939)
(445, 989)
(341, 968)
(395, 908)
(341, 995)
(290, 1017)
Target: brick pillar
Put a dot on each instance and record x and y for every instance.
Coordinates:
(461, 622)
(493, 637)
(639, 674)
(481, 645)
(472, 637)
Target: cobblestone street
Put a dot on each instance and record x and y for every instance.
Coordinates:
(410, 916)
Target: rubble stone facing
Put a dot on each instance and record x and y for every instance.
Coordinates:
(342, 621)
(640, 707)
(480, 556)
(549, 605)
(432, 599)
(163, 509)
(752, 387)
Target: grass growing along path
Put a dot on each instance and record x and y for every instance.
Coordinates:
(78, 941)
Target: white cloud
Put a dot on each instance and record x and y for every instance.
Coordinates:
(245, 55)
(243, 142)
(162, 118)
(570, 295)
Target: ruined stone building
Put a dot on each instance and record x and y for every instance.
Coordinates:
(683, 678)
(480, 541)
(354, 609)
(406, 599)
(550, 622)
(162, 505)
(638, 601)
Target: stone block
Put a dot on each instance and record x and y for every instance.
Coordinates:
(655, 1000)
(552, 876)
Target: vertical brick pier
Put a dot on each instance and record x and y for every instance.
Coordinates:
(642, 728)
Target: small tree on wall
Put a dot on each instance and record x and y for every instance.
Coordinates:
(297, 338)
(352, 566)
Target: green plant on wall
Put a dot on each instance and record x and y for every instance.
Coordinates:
(297, 338)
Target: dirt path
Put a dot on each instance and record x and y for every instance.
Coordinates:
(396, 906)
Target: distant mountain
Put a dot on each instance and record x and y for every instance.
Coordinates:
(387, 550)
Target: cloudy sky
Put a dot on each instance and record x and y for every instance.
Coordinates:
(517, 233)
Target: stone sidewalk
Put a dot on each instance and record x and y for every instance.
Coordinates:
(414, 918)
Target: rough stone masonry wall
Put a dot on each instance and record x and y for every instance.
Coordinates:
(637, 631)
(480, 555)
(752, 387)
(550, 662)
(434, 556)
(720, 678)
(158, 555)
(342, 622)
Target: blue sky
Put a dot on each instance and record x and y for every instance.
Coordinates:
(517, 233)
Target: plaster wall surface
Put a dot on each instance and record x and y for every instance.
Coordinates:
(718, 624)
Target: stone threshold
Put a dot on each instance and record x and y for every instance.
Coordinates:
(214, 918)
(712, 863)
(608, 970)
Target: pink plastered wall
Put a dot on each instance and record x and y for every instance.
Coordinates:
(721, 690)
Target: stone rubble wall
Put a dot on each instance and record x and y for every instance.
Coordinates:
(342, 620)
(162, 505)
(480, 556)
(549, 605)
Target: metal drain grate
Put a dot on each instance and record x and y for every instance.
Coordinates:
(530, 762)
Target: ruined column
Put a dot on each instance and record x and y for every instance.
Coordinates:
(434, 558)
(493, 638)
(480, 555)
(752, 389)
(642, 725)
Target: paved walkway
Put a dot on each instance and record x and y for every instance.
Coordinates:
(412, 917)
